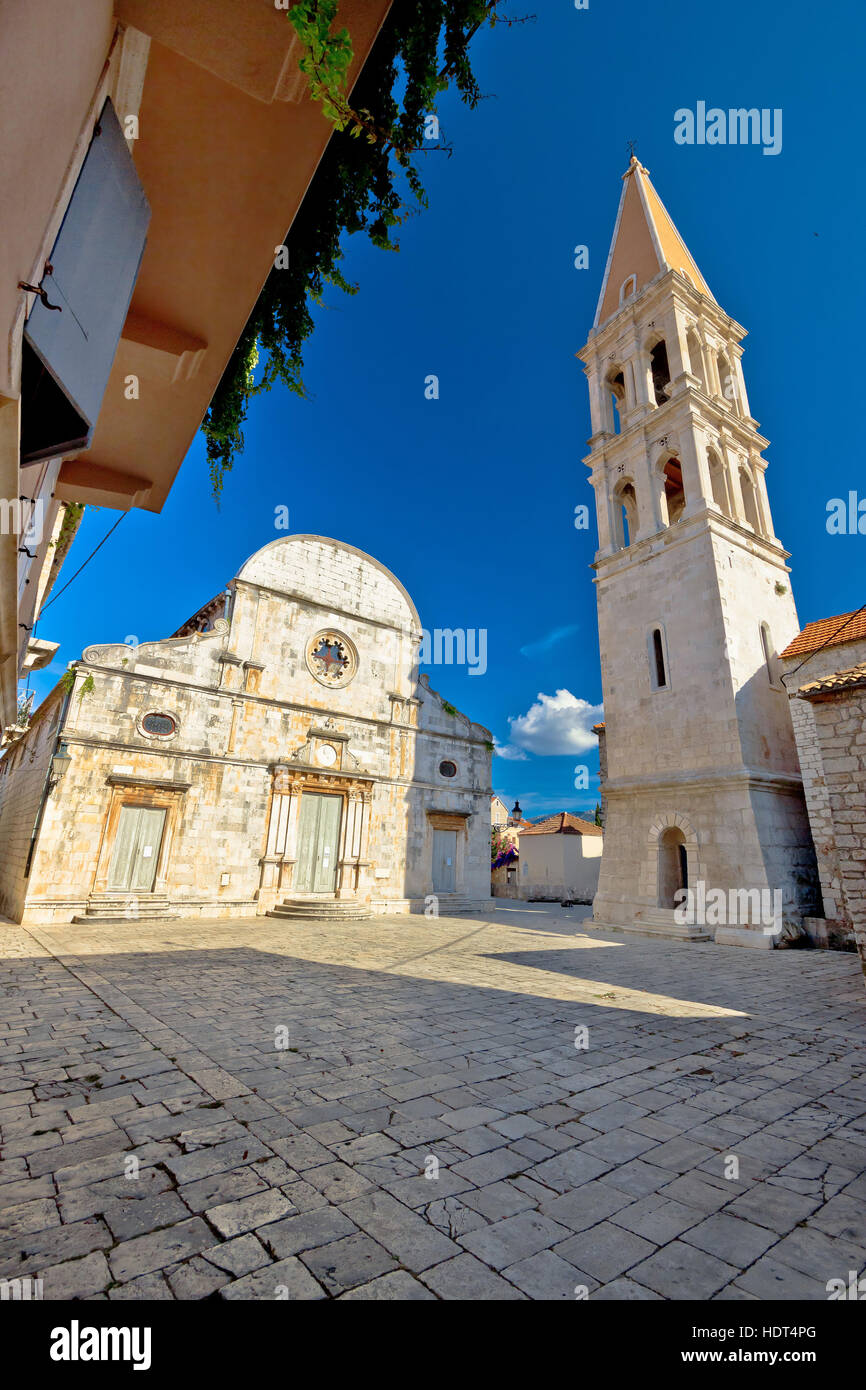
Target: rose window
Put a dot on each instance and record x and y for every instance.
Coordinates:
(332, 658)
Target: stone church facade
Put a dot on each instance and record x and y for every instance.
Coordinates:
(701, 779)
(280, 748)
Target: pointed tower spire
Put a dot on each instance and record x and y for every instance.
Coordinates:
(645, 241)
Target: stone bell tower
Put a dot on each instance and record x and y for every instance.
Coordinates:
(694, 601)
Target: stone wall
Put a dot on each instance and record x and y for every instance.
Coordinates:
(24, 772)
(738, 834)
(798, 672)
(840, 729)
(713, 751)
(708, 592)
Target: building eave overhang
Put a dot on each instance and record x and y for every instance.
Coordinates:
(230, 140)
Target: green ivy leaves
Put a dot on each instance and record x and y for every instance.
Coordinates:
(67, 681)
(327, 59)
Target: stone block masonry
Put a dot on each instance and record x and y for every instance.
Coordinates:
(305, 1173)
(836, 927)
(839, 723)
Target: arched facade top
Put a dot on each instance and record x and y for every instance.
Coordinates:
(332, 573)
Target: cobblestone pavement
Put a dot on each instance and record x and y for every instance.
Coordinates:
(431, 1125)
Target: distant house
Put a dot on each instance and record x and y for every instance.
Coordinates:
(560, 858)
(503, 870)
(504, 865)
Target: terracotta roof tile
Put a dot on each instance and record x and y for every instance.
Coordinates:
(838, 630)
(563, 823)
(839, 680)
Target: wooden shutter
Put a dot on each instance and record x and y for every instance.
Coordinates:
(95, 262)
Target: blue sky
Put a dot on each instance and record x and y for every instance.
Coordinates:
(470, 498)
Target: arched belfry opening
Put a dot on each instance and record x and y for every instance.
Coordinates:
(673, 867)
(750, 501)
(625, 514)
(696, 358)
(720, 484)
(727, 381)
(674, 491)
(616, 386)
(661, 372)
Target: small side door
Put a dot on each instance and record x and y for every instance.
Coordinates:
(444, 861)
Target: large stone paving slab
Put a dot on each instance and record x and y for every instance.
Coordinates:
(508, 1107)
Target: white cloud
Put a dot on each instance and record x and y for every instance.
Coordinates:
(505, 750)
(554, 725)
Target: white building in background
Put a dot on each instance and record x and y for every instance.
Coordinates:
(560, 859)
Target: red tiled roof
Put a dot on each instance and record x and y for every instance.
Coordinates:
(597, 728)
(837, 630)
(563, 823)
(840, 680)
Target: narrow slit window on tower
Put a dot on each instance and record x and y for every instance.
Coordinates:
(770, 659)
(657, 657)
(628, 288)
(661, 372)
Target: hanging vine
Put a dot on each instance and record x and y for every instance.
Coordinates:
(376, 141)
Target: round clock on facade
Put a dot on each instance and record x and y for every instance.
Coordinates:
(327, 755)
(331, 658)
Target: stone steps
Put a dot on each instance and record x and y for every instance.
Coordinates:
(452, 905)
(126, 908)
(658, 922)
(322, 910)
